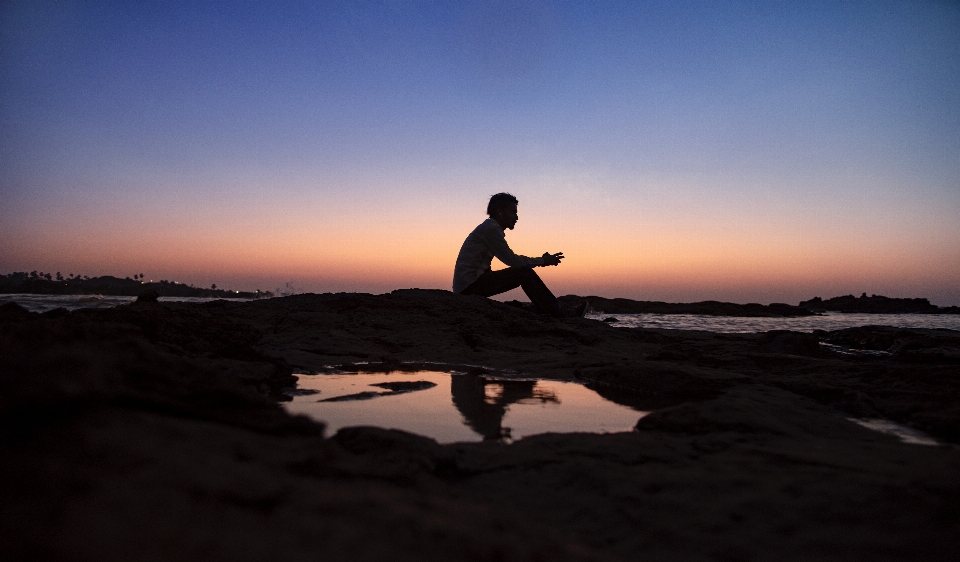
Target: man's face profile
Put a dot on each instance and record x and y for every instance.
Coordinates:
(507, 217)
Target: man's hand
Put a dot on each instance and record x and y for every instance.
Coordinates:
(552, 259)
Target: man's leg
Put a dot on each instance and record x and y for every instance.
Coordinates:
(496, 282)
(538, 293)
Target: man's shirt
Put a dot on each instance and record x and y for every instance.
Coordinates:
(478, 251)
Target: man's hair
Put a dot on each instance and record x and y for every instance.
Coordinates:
(500, 201)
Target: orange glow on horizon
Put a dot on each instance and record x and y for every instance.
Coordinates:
(379, 259)
(626, 250)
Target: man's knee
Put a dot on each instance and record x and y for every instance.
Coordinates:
(527, 273)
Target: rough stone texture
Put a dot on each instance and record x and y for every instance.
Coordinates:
(152, 431)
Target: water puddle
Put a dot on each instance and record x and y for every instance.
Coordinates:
(458, 407)
(902, 432)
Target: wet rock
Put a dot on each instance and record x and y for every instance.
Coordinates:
(746, 410)
(291, 392)
(892, 340)
(399, 387)
(398, 453)
(657, 379)
(790, 343)
(393, 388)
(876, 338)
(13, 312)
(55, 313)
(858, 404)
(153, 431)
(149, 295)
(365, 395)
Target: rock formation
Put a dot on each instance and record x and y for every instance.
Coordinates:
(154, 431)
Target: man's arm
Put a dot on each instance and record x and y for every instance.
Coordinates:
(493, 237)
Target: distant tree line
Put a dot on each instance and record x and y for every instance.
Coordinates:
(40, 283)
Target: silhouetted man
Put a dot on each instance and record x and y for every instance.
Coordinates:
(473, 275)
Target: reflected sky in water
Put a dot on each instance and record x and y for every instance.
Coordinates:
(460, 407)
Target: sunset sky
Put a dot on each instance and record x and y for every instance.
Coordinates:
(753, 151)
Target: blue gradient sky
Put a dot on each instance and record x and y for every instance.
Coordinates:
(744, 151)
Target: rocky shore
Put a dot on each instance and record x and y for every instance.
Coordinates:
(710, 308)
(154, 431)
(877, 304)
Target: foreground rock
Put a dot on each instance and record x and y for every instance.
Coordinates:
(152, 431)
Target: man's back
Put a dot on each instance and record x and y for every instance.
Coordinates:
(485, 242)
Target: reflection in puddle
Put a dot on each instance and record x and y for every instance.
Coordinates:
(458, 407)
(904, 433)
(398, 387)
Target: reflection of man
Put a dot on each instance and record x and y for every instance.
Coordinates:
(484, 414)
(473, 274)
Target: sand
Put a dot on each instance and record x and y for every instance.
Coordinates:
(153, 431)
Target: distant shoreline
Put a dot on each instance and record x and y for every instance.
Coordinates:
(44, 284)
(107, 285)
(875, 304)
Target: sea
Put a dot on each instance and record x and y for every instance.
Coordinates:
(721, 324)
(44, 303)
(740, 325)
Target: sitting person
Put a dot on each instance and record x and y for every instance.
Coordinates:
(473, 275)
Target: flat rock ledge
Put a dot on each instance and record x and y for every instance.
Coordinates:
(155, 431)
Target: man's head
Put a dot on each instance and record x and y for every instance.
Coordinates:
(503, 209)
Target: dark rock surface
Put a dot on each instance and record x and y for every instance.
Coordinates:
(153, 431)
(148, 296)
(12, 311)
(710, 308)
